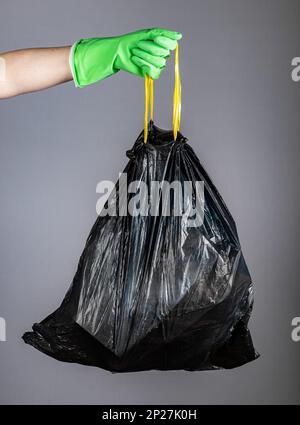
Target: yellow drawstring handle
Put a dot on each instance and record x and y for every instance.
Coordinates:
(149, 97)
(176, 96)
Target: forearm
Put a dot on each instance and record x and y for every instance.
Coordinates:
(28, 70)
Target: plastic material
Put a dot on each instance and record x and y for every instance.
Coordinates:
(149, 102)
(176, 95)
(151, 292)
(141, 53)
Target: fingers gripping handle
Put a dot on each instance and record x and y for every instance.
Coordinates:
(149, 98)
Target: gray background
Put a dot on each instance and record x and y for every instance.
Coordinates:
(241, 115)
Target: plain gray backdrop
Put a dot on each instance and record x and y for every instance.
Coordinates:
(241, 116)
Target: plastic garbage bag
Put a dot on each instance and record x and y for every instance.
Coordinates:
(154, 291)
(162, 282)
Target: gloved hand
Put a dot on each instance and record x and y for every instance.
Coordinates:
(140, 53)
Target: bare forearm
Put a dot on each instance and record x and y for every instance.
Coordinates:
(28, 70)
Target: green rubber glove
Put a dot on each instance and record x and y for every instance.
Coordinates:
(140, 53)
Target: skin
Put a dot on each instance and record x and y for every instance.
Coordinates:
(30, 70)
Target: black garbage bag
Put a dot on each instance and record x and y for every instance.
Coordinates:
(154, 291)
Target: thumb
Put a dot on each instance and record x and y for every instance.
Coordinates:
(173, 35)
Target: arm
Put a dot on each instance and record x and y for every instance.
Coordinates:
(143, 52)
(28, 70)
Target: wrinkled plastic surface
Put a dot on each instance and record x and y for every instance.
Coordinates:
(152, 292)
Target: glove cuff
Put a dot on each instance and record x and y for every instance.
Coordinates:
(92, 60)
(71, 63)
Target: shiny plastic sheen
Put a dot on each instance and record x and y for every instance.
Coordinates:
(152, 292)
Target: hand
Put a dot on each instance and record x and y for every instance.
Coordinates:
(140, 53)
